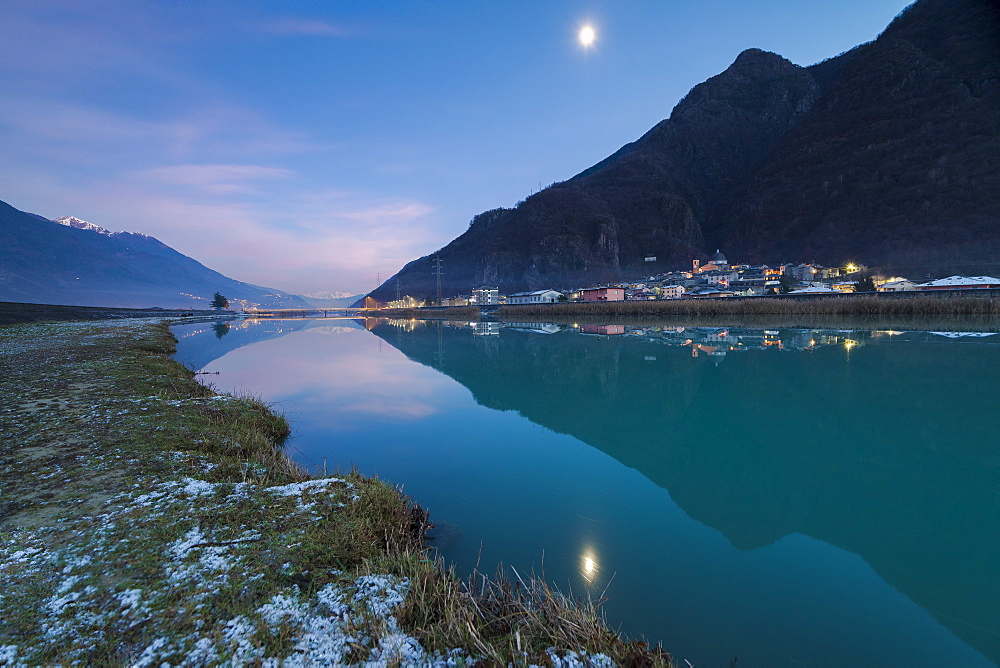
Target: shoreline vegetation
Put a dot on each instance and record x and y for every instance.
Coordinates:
(962, 310)
(861, 305)
(146, 519)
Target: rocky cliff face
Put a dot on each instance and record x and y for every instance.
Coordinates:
(888, 154)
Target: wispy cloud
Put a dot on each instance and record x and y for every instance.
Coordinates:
(311, 27)
(214, 179)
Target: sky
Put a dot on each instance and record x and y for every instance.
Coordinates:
(319, 146)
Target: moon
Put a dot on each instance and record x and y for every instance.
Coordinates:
(587, 35)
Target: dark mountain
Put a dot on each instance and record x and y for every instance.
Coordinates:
(76, 263)
(888, 154)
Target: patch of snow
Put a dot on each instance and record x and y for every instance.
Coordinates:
(198, 487)
(571, 659)
(8, 655)
(381, 593)
(73, 221)
(296, 488)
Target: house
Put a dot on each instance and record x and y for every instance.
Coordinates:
(961, 283)
(719, 279)
(486, 296)
(603, 294)
(604, 330)
(897, 285)
(671, 291)
(536, 297)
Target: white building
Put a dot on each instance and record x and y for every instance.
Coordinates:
(671, 291)
(898, 285)
(486, 296)
(536, 297)
(960, 283)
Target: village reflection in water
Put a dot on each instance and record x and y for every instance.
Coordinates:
(715, 342)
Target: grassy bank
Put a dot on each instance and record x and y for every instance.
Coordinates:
(862, 305)
(145, 519)
(14, 312)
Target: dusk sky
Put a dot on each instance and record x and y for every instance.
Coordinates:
(309, 146)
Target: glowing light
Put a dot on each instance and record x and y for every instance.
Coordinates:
(587, 36)
(848, 344)
(588, 565)
(851, 268)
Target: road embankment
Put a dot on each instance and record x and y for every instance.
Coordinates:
(15, 312)
(145, 519)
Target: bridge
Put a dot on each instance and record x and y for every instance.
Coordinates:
(307, 312)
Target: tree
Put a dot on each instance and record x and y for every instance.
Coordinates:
(864, 284)
(786, 282)
(219, 302)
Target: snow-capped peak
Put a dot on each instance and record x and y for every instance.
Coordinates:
(329, 295)
(73, 221)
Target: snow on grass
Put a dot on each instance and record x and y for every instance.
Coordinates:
(107, 582)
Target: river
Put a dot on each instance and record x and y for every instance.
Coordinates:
(776, 496)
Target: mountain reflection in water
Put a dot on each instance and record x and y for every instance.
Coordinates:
(881, 443)
(893, 455)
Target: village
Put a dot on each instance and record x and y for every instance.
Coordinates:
(717, 279)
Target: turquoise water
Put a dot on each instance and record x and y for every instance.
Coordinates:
(782, 496)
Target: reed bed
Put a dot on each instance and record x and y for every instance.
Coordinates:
(862, 305)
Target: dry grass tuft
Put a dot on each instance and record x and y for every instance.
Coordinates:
(504, 620)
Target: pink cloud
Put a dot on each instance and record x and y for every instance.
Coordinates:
(313, 27)
(215, 179)
(340, 367)
(300, 243)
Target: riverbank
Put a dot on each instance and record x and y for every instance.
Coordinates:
(145, 519)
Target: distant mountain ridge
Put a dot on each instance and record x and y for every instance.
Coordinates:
(888, 155)
(72, 262)
(331, 299)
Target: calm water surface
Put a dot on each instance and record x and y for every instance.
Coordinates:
(809, 497)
